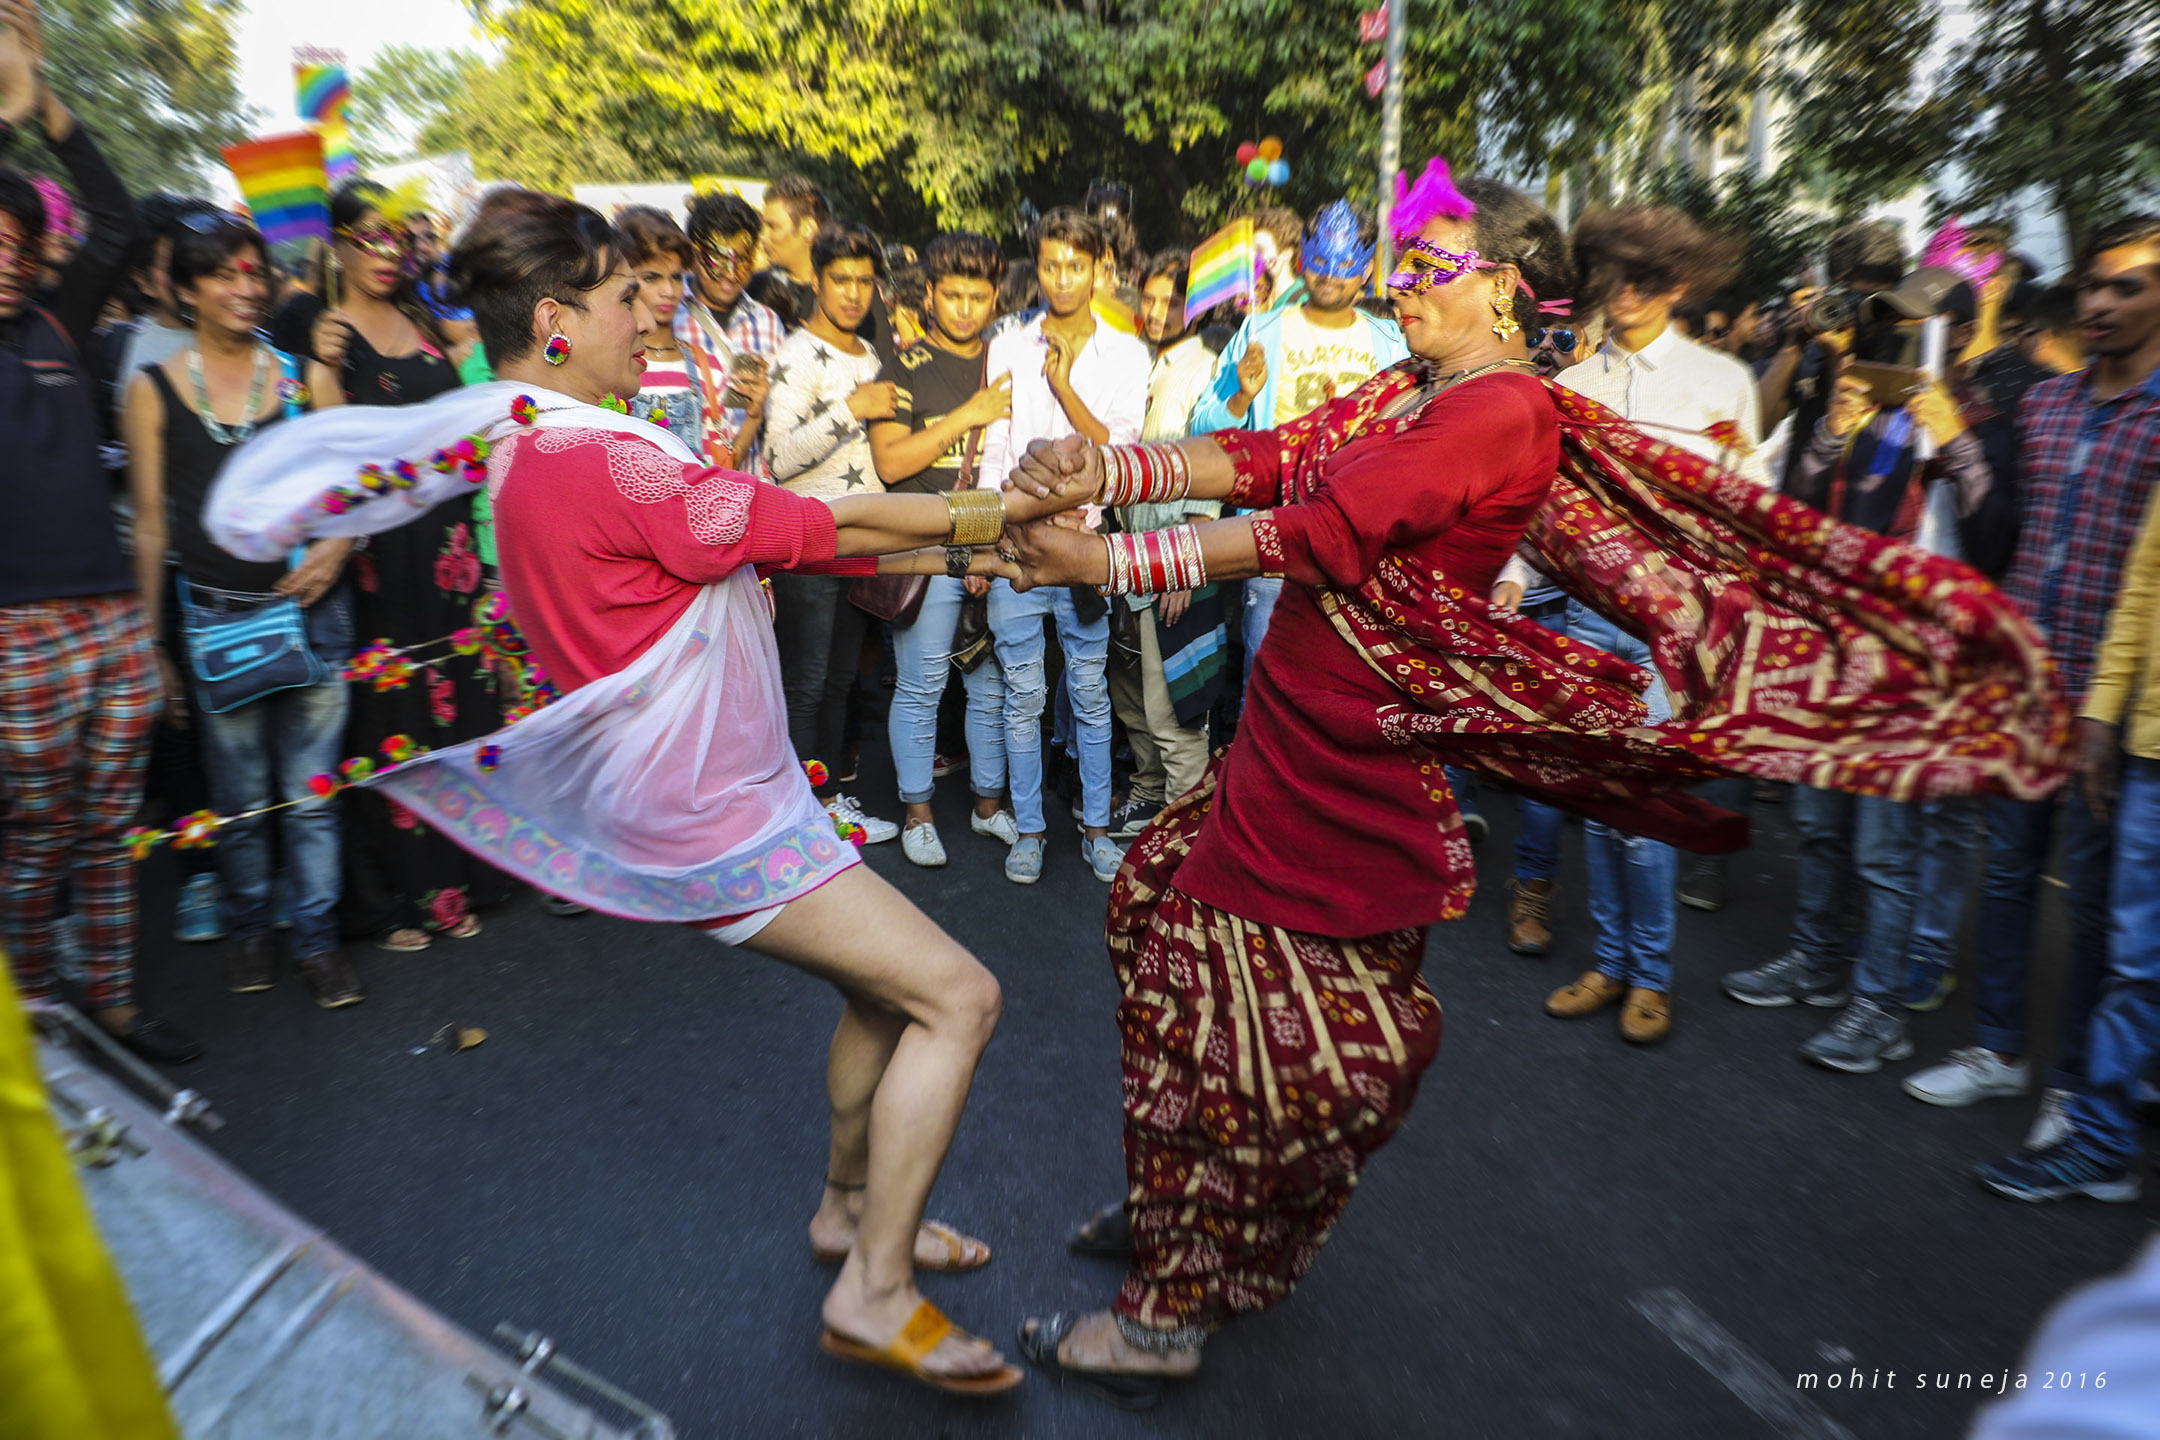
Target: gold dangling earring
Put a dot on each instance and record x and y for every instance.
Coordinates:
(1504, 323)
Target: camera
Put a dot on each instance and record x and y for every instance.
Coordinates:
(1835, 308)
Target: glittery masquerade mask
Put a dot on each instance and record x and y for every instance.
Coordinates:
(1333, 250)
(379, 241)
(1425, 265)
(723, 259)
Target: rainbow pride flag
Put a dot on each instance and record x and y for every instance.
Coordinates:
(1222, 269)
(339, 162)
(322, 92)
(281, 178)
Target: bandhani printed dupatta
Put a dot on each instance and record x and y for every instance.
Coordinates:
(1794, 647)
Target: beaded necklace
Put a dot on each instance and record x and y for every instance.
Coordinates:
(229, 434)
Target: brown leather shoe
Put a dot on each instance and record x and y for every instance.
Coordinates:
(1529, 915)
(1592, 993)
(332, 979)
(1646, 1018)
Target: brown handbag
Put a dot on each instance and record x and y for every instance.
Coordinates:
(898, 599)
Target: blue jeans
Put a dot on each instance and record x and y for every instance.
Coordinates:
(1258, 604)
(261, 754)
(1016, 624)
(2021, 835)
(922, 655)
(1537, 831)
(2123, 1037)
(1913, 859)
(1631, 878)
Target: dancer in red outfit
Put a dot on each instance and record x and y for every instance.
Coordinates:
(1267, 929)
(661, 785)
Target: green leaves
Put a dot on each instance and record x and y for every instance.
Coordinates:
(156, 80)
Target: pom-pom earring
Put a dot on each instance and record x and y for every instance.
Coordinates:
(558, 348)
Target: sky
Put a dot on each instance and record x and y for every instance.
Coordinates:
(271, 29)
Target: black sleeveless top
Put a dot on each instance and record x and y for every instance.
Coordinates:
(192, 462)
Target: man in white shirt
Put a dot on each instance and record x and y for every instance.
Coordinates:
(1070, 376)
(1645, 260)
(1183, 634)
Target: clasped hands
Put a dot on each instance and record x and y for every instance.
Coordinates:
(1046, 542)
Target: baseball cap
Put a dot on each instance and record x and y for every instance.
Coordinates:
(1929, 291)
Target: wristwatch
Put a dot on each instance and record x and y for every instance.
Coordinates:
(957, 560)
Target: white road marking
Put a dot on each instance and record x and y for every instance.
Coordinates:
(1757, 1386)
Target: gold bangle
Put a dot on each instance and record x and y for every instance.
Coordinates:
(977, 516)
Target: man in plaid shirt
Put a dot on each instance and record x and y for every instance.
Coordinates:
(727, 338)
(2089, 456)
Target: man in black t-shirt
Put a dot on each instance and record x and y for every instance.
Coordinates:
(933, 442)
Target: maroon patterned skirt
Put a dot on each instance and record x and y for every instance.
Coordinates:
(1262, 1066)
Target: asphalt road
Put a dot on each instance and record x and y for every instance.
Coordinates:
(628, 1162)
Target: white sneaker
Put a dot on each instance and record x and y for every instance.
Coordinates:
(875, 831)
(2052, 1125)
(1968, 1075)
(920, 844)
(1000, 826)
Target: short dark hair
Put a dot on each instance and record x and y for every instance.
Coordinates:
(963, 252)
(2044, 307)
(847, 242)
(205, 247)
(723, 214)
(525, 247)
(19, 197)
(2128, 230)
(1655, 248)
(770, 288)
(1071, 227)
(1174, 263)
(911, 287)
(651, 233)
(802, 197)
(1869, 253)
(1018, 291)
(1513, 229)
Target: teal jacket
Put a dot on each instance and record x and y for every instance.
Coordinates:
(1212, 411)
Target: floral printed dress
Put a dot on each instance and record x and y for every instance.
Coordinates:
(411, 585)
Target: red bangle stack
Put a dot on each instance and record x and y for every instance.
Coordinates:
(1156, 562)
(1136, 474)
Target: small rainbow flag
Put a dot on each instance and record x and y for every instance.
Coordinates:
(322, 92)
(281, 178)
(339, 162)
(1222, 269)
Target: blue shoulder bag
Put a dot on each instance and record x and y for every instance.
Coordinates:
(244, 646)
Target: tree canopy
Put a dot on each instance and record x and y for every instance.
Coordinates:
(920, 113)
(156, 80)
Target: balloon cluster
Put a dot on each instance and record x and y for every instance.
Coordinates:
(1263, 163)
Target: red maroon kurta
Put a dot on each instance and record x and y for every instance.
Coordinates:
(1317, 826)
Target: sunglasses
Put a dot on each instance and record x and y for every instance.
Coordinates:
(209, 222)
(1561, 341)
(382, 242)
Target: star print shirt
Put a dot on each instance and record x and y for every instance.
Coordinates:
(813, 442)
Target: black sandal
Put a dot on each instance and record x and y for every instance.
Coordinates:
(1106, 1235)
(1040, 1345)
